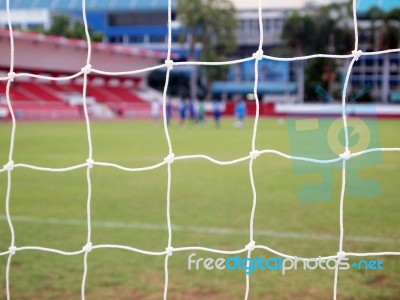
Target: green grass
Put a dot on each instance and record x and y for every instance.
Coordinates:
(203, 195)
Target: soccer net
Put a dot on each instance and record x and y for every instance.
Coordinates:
(337, 254)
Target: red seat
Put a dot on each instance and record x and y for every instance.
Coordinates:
(15, 93)
(125, 94)
(40, 91)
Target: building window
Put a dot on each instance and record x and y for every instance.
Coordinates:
(153, 18)
(136, 39)
(245, 26)
(254, 27)
(176, 38)
(278, 24)
(35, 26)
(267, 25)
(115, 39)
(157, 39)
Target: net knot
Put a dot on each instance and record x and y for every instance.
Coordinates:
(254, 154)
(11, 76)
(169, 63)
(346, 155)
(12, 250)
(250, 246)
(9, 166)
(87, 69)
(357, 54)
(88, 247)
(169, 250)
(90, 162)
(341, 255)
(170, 158)
(259, 54)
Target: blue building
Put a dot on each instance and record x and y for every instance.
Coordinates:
(379, 73)
(143, 23)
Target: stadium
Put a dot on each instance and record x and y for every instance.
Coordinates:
(199, 150)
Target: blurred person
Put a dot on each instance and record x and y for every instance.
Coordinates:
(168, 111)
(191, 110)
(240, 113)
(201, 112)
(182, 112)
(155, 110)
(217, 111)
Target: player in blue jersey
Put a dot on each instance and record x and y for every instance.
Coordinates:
(240, 113)
(182, 112)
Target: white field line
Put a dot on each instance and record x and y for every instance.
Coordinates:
(193, 229)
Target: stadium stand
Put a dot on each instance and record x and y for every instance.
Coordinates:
(38, 92)
(15, 93)
(44, 99)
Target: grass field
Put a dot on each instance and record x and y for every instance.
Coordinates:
(210, 206)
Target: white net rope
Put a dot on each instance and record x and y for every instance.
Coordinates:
(170, 157)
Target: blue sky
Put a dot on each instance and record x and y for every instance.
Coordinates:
(275, 3)
(362, 5)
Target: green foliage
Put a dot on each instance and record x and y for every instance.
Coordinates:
(314, 71)
(387, 28)
(327, 31)
(388, 37)
(299, 32)
(394, 15)
(211, 23)
(375, 13)
(61, 25)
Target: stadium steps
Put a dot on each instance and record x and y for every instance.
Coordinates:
(102, 95)
(125, 95)
(149, 94)
(41, 92)
(19, 94)
(15, 95)
(65, 88)
(56, 89)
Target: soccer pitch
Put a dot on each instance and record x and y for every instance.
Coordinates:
(210, 207)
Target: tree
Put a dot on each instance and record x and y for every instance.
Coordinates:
(374, 15)
(61, 25)
(211, 23)
(328, 30)
(386, 37)
(299, 32)
(335, 28)
(320, 75)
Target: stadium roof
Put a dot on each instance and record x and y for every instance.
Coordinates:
(109, 5)
(42, 53)
(66, 42)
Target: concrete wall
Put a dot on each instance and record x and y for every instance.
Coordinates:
(67, 58)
